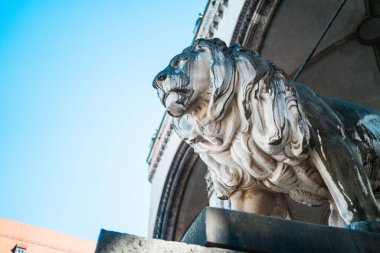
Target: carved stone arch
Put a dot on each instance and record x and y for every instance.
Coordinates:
(342, 66)
(174, 215)
(253, 22)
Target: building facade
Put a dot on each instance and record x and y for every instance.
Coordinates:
(17, 237)
(345, 65)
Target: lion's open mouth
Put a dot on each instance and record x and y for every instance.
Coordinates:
(176, 101)
(179, 96)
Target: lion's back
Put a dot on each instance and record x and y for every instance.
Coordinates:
(362, 125)
(357, 124)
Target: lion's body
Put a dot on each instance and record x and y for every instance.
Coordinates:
(256, 130)
(353, 123)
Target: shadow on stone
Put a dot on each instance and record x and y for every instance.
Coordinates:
(257, 233)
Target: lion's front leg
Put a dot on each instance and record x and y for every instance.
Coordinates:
(335, 220)
(260, 201)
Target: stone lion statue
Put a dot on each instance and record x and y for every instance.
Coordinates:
(262, 136)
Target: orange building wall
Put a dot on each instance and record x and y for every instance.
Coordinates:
(39, 240)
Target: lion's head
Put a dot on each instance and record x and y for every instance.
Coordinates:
(204, 72)
(191, 75)
(208, 79)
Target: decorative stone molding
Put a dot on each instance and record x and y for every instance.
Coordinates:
(211, 18)
(176, 180)
(253, 22)
(158, 145)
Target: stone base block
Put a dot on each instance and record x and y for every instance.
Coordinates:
(257, 233)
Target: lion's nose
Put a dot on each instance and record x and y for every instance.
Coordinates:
(161, 77)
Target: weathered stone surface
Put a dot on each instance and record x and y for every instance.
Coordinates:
(263, 136)
(114, 242)
(257, 233)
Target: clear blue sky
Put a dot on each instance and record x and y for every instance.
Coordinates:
(77, 109)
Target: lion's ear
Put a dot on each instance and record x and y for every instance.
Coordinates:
(220, 43)
(237, 48)
(235, 45)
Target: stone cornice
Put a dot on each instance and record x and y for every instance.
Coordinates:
(253, 22)
(158, 145)
(211, 18)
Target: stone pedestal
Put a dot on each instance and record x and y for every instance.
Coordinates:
(256, 233)
(114, 242)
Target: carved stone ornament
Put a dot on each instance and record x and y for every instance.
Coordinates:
(263, 136)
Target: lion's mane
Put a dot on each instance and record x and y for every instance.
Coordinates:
(257, 98)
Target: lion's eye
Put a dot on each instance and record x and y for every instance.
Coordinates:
(200, 48)
(178, 63)
(175, 62)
